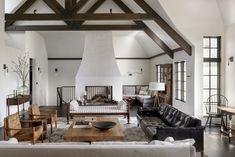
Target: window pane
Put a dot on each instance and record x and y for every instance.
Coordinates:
(206, 53)
(179, 94)
(205, 68)
(206, 42)
(214, 92)
(214, 53)
(214, 69)
(179, 76)
(205, 95)
(214, 42)
(214, 82)
(179, 67)
(206, 82)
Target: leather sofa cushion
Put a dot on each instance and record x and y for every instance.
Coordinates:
(182, 120)
(162, 108)
(169, 115)
(152, 121)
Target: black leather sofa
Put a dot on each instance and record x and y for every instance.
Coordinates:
(165, 121)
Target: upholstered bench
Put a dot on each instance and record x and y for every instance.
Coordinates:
(74, 109)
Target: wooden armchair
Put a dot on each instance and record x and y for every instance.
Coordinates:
(13, 128)
(35, 113)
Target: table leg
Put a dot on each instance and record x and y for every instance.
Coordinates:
(8, 110)
(18, 108)
(230, 128)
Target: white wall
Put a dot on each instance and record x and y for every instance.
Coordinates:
(230, 70)
(35, 45)
(67, 70)
(187, 107)
(134, 66)
(195, 19)
(8, 82)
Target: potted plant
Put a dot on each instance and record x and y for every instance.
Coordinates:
(21, 68)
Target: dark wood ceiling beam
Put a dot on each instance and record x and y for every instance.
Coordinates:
(159, 42)
(147, 30)
(78, 28)
(92, 9)
(79, 6)
(55, 6)
(58, 9)
(166, 27)
(21, 10)
(69, 4)
(77, 17)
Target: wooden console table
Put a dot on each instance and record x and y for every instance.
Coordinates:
(17, 101)
(228, 111)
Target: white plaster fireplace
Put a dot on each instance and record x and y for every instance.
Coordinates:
(98, 66)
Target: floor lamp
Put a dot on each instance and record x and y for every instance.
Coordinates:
(155, 87)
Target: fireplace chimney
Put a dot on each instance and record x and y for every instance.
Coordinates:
(99, 66)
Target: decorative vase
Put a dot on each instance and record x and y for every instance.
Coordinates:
(23, 89)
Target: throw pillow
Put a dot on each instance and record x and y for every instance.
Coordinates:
(74, 105)
(143, 92)
(120, 143)
(144, 88)
(10, 141)
(157, 142)
(122, 105)
(171, 141)
(191, 141)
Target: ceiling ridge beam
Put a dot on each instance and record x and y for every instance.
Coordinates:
(78, 28)
(166, 27)
(57, 8)
(92, 9)
(21, 10)
(78, 17)
(79, 5)
(147, 30)
(69, 4)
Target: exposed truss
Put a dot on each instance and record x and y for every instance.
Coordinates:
(74, 20)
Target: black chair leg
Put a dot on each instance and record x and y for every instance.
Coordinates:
(207, 121)
(210, 121)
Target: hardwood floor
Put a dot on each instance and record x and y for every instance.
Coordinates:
(215, 144)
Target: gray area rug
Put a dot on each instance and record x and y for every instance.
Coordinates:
(131, 132)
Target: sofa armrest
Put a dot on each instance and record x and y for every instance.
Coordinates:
(197, 133)
(147, 111)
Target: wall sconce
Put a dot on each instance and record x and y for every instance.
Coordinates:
(135, 72)
(39, 70)
(5, 68)
(56, 70)
(230, 59)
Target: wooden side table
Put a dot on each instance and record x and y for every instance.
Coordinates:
(17, 101)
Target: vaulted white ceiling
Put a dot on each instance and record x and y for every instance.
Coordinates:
(227, 8)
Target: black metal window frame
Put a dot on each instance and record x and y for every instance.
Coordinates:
(210, 60)
(180, 81)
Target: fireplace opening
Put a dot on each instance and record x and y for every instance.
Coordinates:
(99, 94)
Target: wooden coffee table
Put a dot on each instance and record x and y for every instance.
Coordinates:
(93, 134)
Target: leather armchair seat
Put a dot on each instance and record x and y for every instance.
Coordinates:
(165, 121)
